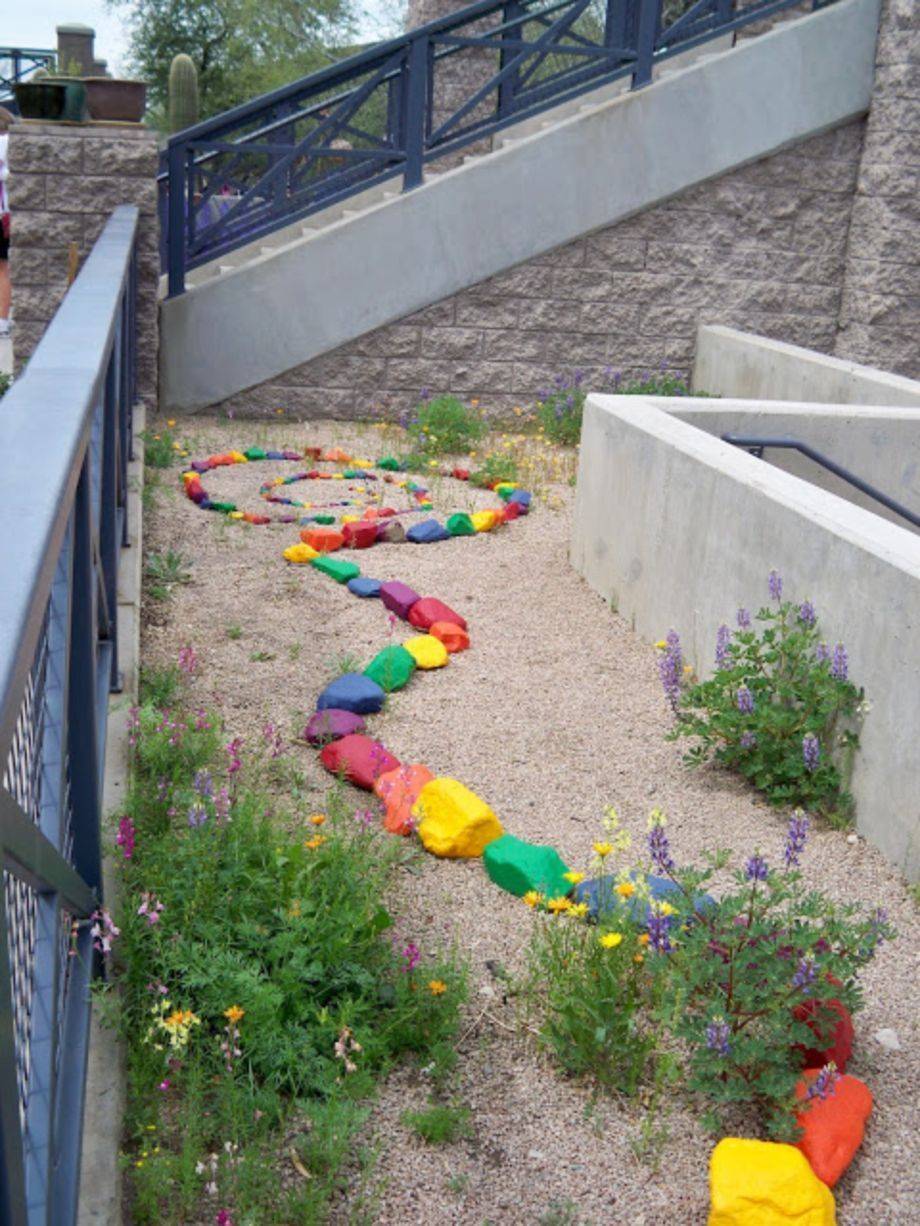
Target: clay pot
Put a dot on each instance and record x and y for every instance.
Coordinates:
(43, 99)
(114, 100)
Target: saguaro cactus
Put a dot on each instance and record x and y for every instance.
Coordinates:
(183, 93)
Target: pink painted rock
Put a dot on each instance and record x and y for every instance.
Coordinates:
(398, 598)
(425, 612)
(359, 759)
(331, 725)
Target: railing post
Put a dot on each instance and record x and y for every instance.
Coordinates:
(175, 248)
(615, 25)
(649, 17)
(508, 87)
(416, 94)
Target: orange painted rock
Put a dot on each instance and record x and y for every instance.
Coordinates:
(337, 456)
(323, 540)
(832, 1127)
(359, 759)
(399, 789)
(454, 638)
(831, 1024)
(425, 612)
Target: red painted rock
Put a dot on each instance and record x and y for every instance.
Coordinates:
(386, 512)
(359, 759)
(462, 474)
(833, 1127)
(834, 1038)
(312, 453)
(425, 612)
(399, 791)
(331, 725)
(454, 638)
(398, 598)
(360, 535)
(323, 540)
(512, 511)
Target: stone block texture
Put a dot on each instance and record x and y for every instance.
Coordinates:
(880, 311)
(65, 180)
(762, 248)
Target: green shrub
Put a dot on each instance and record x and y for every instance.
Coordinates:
(779, 709)
(560, 408)
(497, 466)
(445, 426)
(6, 382)
(160, 448)
(440, 1124)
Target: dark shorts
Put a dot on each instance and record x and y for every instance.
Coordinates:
(4, 245)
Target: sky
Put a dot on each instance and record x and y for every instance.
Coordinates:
(32, 24)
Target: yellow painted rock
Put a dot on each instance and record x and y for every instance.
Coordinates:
(349, 519)
(300, 553)
(238, 457)
(453, 821)
(762, 1183)
(484, 521)
(426, 651)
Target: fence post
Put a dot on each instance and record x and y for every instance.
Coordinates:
(508, 87)
(615, 26)
(416, 87)
(175, 249)
(649, 16)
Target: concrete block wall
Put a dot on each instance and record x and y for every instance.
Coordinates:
(65, 180)
(762, 248)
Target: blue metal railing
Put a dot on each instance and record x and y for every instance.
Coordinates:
(65, 439)
(757, 444)
(395, 107)
(18, 64)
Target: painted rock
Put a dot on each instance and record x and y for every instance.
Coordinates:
(604, 897)
(364, 586)
(399, 790)
(462, 474)
(330, 725)
(460, 525)
(255, 453)
(504, 489)
(398, 597)
(453, 638)
(275, 455)
(831, 1024)
(323, 540)
(427, 532)
(426, 651)
(523, 499)
(300, 553)
(484, 521)
(389, 464)
(391, 532)
(517, 866)
(391, 668)
(339, 569)
(336, 455)
(452, 821)
(763, 1183)
(833, 1127)
(352, 692)
(360, 535)
(511, 512)
(425, 612)
(359, 759)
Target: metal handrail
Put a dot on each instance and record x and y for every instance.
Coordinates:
(222, 184)
(756, 444)
(65, 440)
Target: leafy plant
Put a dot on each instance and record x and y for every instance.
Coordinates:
(779, 709)
(444, 425)
(440, 1124)
(234, 632)
(164, 571)
(560, 408)
(160, 448)
(6, 382)
(496, 466)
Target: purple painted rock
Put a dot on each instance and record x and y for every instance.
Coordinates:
(398, 598)
(331, 725)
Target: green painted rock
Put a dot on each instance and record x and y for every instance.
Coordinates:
(460, 525)
(391, 668)
(517, 867)
(389, 464)
(337, 568)
(254, 453)
(323, 519)
(351, 474)
(223, 506)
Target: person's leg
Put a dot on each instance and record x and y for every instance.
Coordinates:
(5, 291)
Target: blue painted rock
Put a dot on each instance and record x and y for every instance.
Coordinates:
(331, 724)
(523, 499)
(359, 759)
(602, 897)
(352, 692)
(363, 586)
(425, 612)
(427, 532)
(274, 455)
(517, 866)
(398, 598)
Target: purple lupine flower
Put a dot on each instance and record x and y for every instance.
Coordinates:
(839, 663)
(723, 638)
(748, 740)
(822, 653)
(671, 668)
(877, 921)
(795, 838)
(745, 700)
(807, 614)
(718, 1036)
(204, 785)
(658, 928)
(364, 818)
(660, 848)
(197, 815)
(776, 585)
(825, 1084)
(804, 975)
(811, 751)
(756, 868)
(744, 619)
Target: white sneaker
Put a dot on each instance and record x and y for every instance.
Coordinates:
(6, 328)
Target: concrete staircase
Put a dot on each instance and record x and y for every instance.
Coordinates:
(306, 289)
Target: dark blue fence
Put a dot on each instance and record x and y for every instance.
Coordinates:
(18, 64)
(65, 439)
(392, 109)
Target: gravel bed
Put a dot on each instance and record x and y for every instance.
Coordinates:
(554, 713)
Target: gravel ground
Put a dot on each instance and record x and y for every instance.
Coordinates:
(555, 712)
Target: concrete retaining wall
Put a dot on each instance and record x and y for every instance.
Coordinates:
(676, 528)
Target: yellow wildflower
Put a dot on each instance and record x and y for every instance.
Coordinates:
(639, 959)
(643, 938)
(625, 889)
(317, 819)
(665, 908)
(556, 905)
(579, 909)
(602, 849)
(661, 644)
(610, 940)
(437, 987)
(317, 841)
(234, 1014)
(170, 421)
(533, 898)
(574, 877)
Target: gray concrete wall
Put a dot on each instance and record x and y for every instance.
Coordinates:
(651, 491)
(745, 366)
(529, 198)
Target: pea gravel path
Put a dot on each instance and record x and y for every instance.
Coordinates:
(555, 712)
